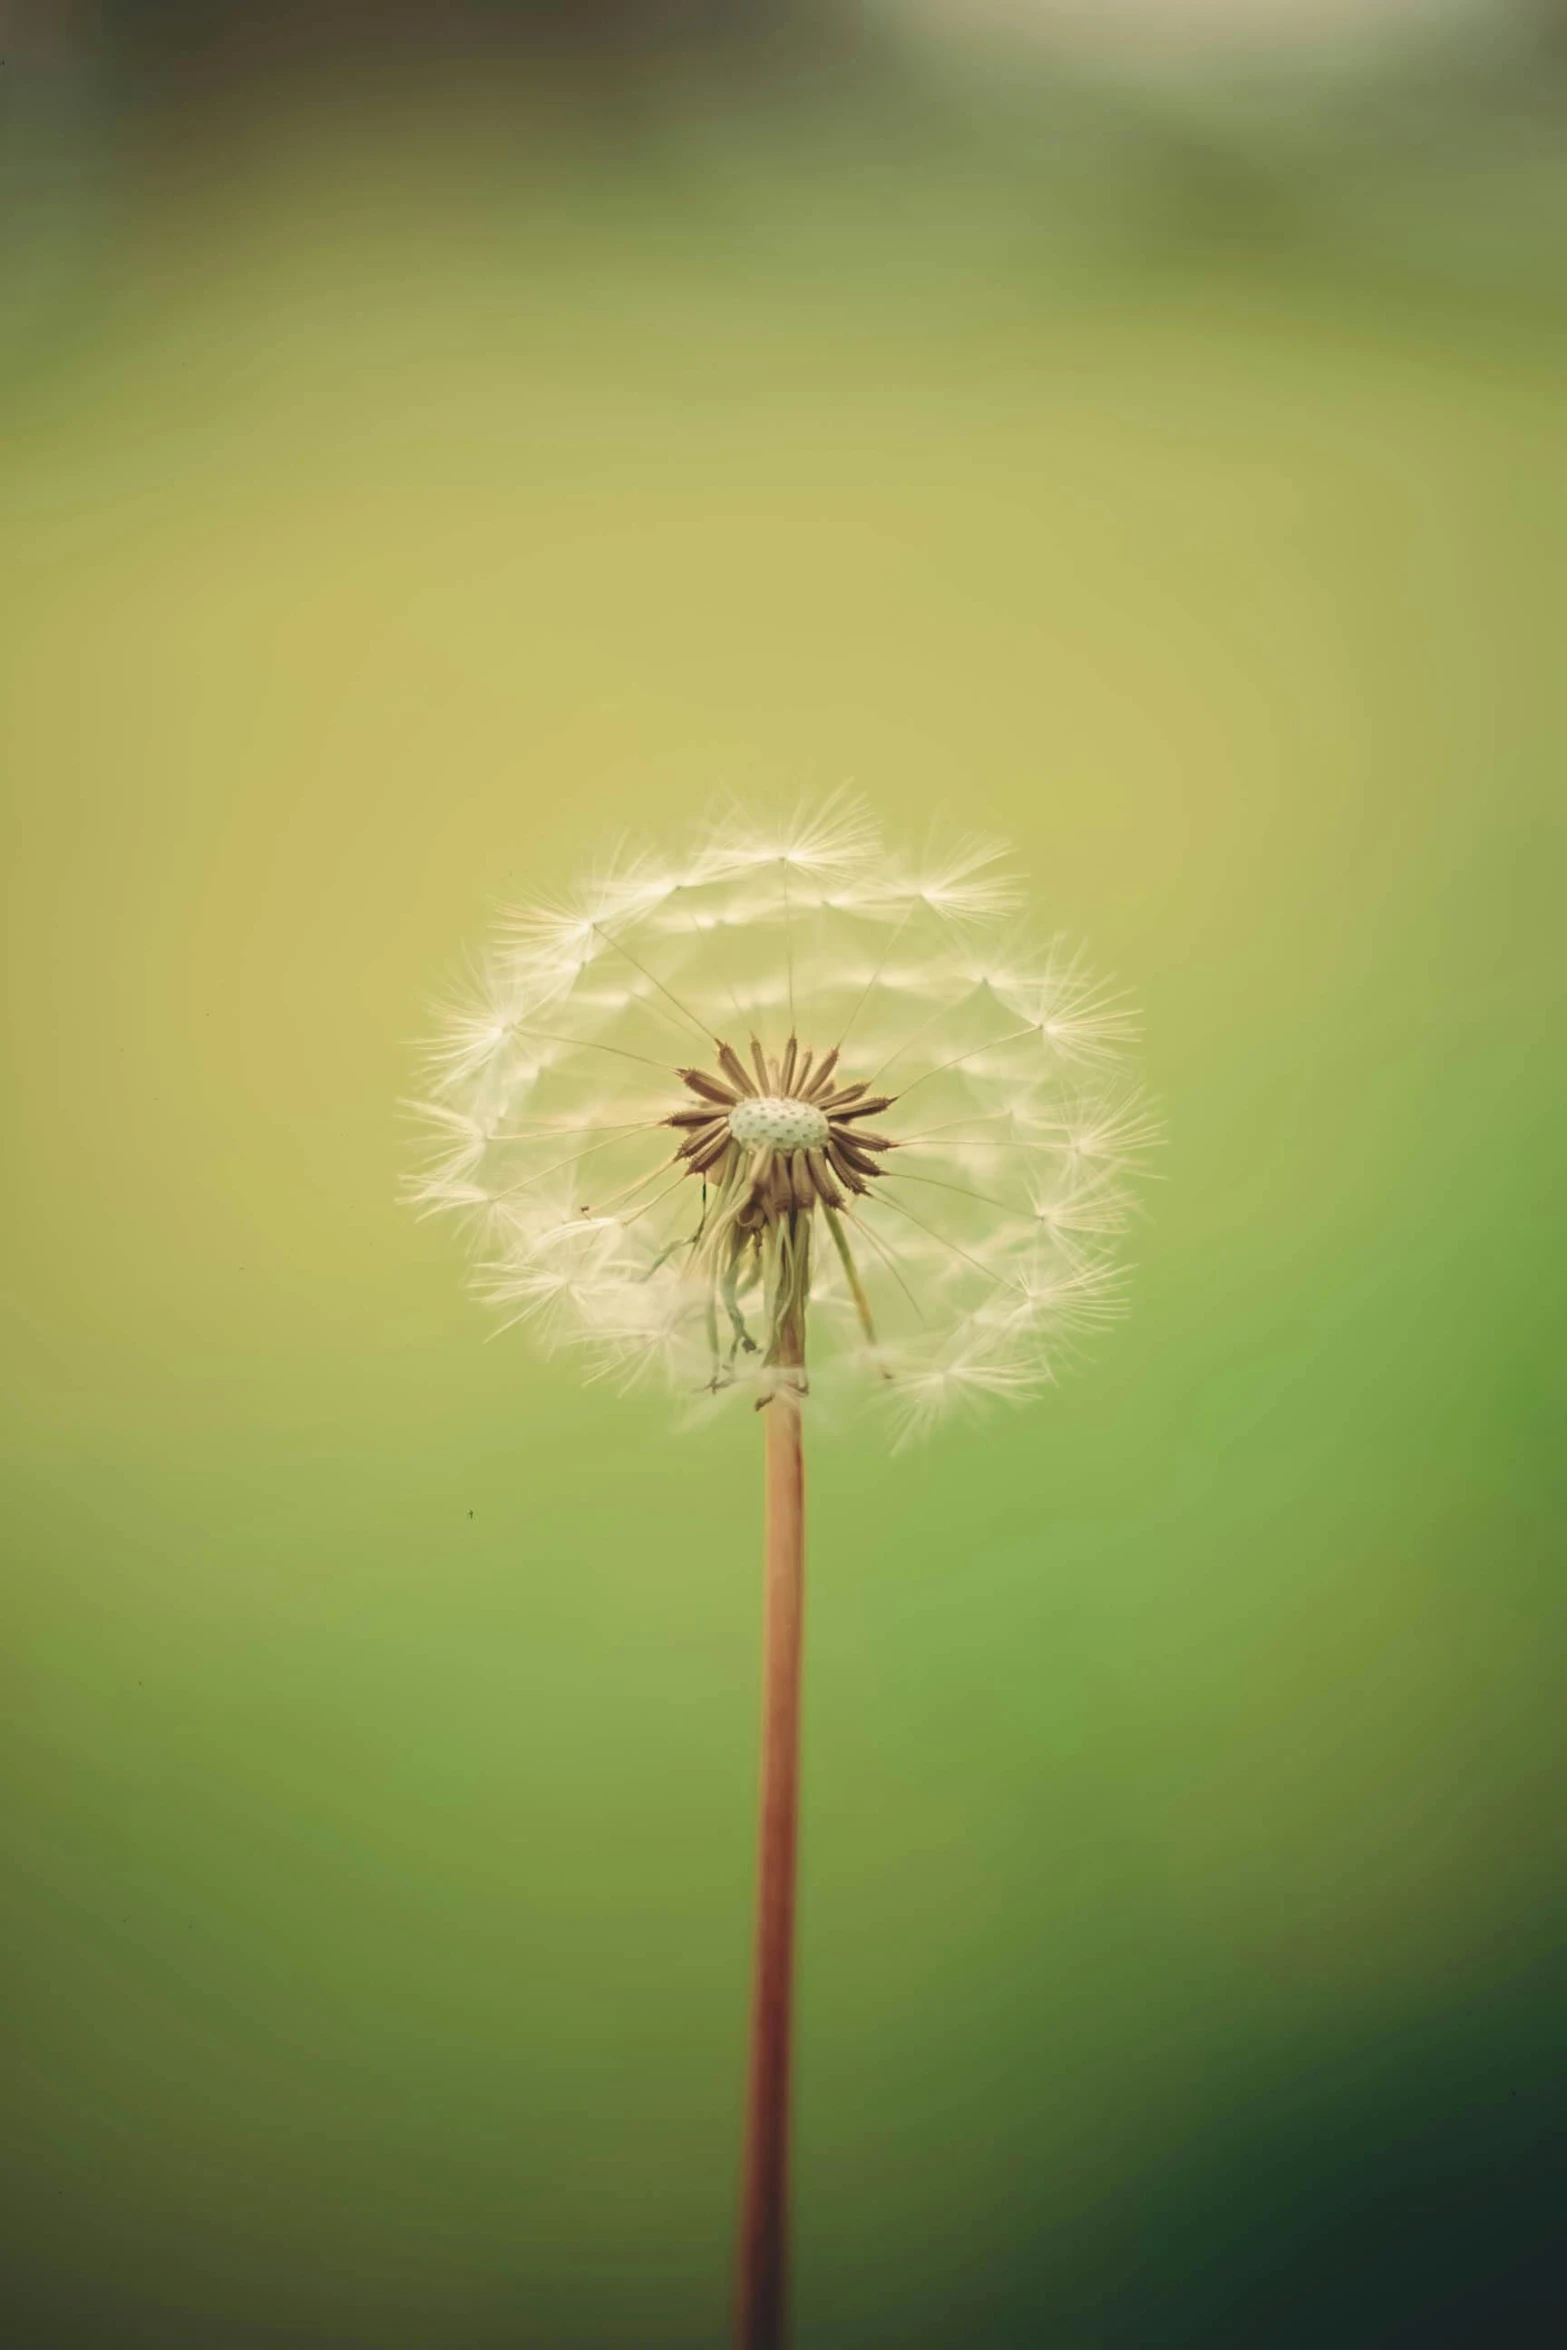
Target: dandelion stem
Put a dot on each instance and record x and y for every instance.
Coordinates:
(763, 2279)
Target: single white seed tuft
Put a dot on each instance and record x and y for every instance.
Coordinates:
(775, 1123)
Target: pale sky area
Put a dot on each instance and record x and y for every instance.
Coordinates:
(1165, 34)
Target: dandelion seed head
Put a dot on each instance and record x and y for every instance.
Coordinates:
(790, 1108)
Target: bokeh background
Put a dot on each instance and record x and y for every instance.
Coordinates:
(432, 437)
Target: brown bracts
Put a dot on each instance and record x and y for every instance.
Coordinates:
(780, 1134)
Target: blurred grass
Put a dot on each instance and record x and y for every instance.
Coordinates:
(1182, 1899)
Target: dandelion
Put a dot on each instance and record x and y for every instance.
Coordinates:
(790, 1116)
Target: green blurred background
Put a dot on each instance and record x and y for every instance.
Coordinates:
(433, 438)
